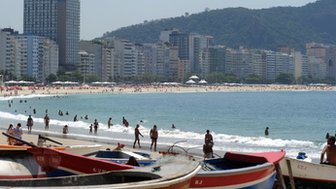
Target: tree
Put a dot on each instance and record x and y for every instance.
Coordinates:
(285, 78)
(51, 78)
(253, 79)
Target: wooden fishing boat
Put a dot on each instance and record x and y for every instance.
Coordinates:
(171, 172)
(123, 156)
(236, 170)
(88, 172)
(305, 174)
(41, 141)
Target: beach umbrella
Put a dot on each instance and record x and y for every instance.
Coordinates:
(190, 81)
(202, 82)
(194, 77)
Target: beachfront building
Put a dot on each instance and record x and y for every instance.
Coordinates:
(127, 58)
(8, 65)
(198, 49)
(87, 64)
(301, 68)
(217, 58)
(258, 63)
(325, 52)
(238, 62)
(103, 59)
(317, 69)
(277, 63)
(58, 20)
(161, 59)
(37, 57)
(165, 34)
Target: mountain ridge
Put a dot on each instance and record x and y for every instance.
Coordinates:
(252, 28)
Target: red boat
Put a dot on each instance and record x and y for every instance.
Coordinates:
(236, 170)
(23, 168)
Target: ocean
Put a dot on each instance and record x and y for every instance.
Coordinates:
(298, 120)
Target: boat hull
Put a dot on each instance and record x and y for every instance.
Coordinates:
(308, 174)
(235, 170)
(262, 178)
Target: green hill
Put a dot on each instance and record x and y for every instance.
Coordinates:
(262, 28)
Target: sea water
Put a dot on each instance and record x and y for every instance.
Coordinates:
(298, 120)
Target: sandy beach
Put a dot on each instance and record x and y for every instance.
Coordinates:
(64, 90)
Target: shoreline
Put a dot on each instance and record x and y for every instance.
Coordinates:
(124, 89)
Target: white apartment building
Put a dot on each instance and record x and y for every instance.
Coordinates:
(36, 56)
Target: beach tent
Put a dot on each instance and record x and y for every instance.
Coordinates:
(202, 82)
(194, 77)
(190, 81)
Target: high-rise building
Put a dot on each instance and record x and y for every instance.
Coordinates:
(58, 20)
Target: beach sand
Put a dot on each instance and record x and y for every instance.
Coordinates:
(64, 90)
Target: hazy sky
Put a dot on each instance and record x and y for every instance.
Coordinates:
(100, 16)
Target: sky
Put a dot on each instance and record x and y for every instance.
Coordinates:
(100, 16)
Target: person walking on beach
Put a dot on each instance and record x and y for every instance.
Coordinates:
(330, 151)
(109, 122)
(154, 136)
(95, 126)
(30, 123)
(208, 144)
(137, 138)
(46, 121)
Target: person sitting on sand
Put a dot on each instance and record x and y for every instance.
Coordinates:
(330, 151)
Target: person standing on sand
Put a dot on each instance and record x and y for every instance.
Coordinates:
(154, 136)
(208, 144)
(136, 134)
(46, 121)
(30, 123)
(109, 122)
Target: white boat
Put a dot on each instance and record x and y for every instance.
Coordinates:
(306, 174)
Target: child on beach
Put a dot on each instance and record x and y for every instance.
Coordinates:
(91, 126)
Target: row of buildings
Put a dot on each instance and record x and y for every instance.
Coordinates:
(50, 43)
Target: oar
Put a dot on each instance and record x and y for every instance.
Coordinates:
(51, 140)
(20, 140)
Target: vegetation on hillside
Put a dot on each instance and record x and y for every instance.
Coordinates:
(233, 27)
